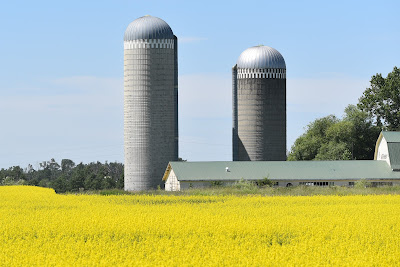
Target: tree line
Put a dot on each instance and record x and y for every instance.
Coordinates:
(354, 136)
(67, 176)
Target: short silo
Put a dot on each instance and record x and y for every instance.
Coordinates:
(150, 102)
(259, 105)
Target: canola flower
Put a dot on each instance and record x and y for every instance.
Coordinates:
(41, 228)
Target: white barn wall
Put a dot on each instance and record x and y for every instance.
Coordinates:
(183, 185)
(202, 184)
(383, 152)
(172, 183)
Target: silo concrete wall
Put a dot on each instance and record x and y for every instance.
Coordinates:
(261, 108)
(150, 111)
(176, 123)
(234, 115)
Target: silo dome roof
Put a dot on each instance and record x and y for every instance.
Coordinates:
(261, 57)
(148, 27)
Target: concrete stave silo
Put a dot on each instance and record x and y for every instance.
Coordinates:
(150, 102)
(259, 105)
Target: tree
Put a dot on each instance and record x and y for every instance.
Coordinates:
(329, 138)
(67, 165)
(120, 182)
(365, 132)
(78, 178)
(382, 100)
(91, 182)
(54, 168)
(338, 142)
(29, 172)
(307, 146)
(334, 151)
(67, 177)
(17, 173)
(59, 185)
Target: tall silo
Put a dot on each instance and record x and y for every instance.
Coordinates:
(259, 105)
(150, 102)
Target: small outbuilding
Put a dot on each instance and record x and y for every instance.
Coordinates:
(383, 170)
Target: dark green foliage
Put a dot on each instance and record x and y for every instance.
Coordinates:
(363, 183)
(120, 181)
(68, 177)
(108, 192)
(355, 135)
(307, 146)
(217, 183)
(67, 165)
(382, 100)
(364, 133)
(60, 185)
(247, 186)
(330, 138)
(12, 175)
(265, 182)
(77, 178)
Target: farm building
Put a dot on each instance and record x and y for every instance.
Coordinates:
(383, 170)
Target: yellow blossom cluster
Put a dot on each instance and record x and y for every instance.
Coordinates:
(41, 228)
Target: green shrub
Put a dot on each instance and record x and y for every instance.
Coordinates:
(217, 183)
(108, 192)
(245, 185)
(362, 183)
(266, 182)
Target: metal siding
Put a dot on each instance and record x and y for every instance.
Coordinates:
(394, 155)
(392, 137)
(150, 103)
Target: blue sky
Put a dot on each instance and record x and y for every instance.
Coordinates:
(61, 69)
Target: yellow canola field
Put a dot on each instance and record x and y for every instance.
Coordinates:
(41, 228)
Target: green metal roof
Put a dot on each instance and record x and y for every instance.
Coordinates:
(391, 137)
(283, 170)
(394, 155)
